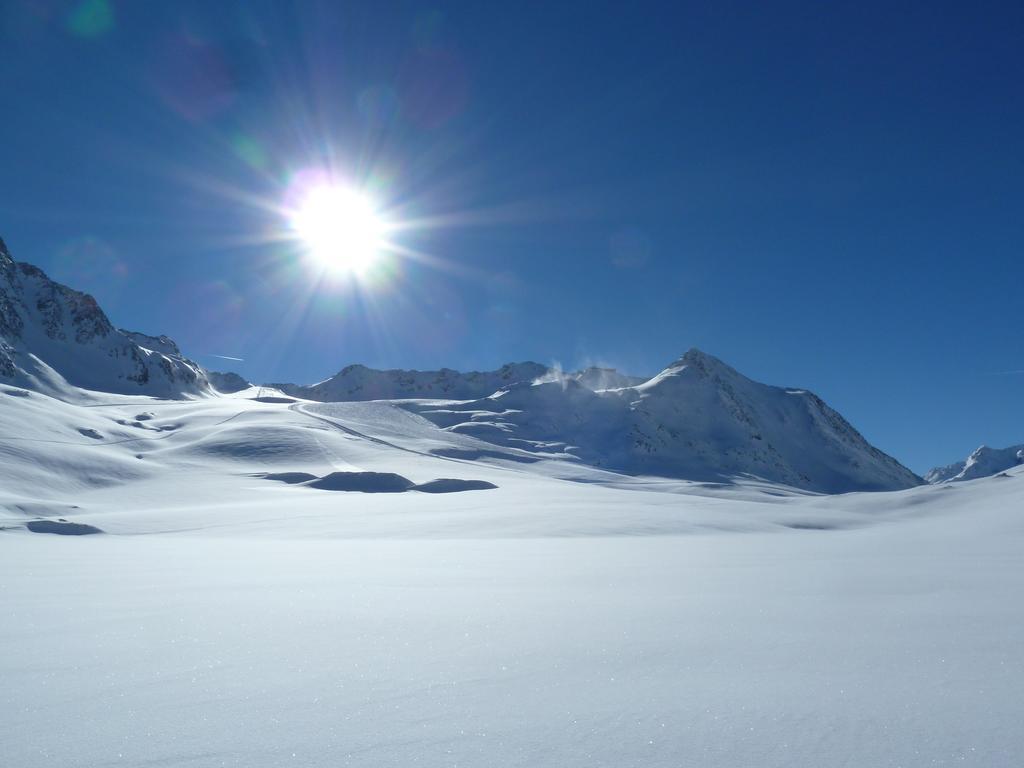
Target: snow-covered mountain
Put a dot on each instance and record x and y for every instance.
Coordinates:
(983, 462)
(700, 412)
(227, 382)
(697, 419)
(52, 336)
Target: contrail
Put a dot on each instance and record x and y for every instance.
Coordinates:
(228, 357)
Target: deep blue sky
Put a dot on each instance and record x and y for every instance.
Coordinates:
(828, 195)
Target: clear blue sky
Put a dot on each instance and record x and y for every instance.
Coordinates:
(828, 195)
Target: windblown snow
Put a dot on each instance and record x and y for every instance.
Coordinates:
(554, 572)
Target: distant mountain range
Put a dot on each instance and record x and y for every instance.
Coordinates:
(357, 382)
(698, 419)
(983, 462)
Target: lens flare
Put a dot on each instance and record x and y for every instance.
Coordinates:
(340, 228)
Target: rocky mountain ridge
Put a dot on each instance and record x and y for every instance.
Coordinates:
(53, 337)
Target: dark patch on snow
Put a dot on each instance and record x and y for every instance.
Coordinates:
(289, 477)
(376, 482)
(90, 433)
(274, 399)
(363, 482)
(61, 528)
(811, 526)
(453, 485)
(17, 392)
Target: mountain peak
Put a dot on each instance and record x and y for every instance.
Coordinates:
(694, 364)
(693, 354)
(701, 360)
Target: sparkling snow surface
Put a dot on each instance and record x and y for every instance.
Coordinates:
(567, 617)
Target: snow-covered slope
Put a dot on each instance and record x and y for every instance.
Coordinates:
(698, 419)
(983, 462)
(133, 464)
(360, 587)
(52, 336)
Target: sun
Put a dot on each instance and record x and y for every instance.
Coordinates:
(340, 229)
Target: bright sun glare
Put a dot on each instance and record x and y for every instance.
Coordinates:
(340, 228)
